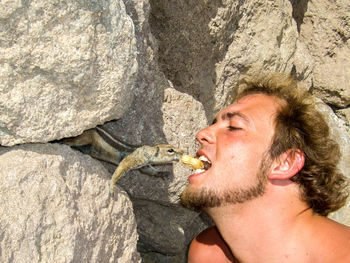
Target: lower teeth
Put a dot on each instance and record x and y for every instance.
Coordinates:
(199, 171)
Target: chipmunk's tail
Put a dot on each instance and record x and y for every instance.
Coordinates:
(116, 175)
(130, 162)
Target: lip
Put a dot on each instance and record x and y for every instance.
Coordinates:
(192, 177)
(208, 164)
(197, 176)
(202, 153)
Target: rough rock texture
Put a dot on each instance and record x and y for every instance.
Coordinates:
(65, 67)
(159, 114)
(55, 207)
(325, 33)
(175, 227)
(204, 46)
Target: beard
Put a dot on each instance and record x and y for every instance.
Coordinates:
(207, 198)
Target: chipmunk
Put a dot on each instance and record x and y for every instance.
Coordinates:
(105, 147)
(144, 156)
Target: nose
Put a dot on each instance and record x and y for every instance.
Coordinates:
(206, 135)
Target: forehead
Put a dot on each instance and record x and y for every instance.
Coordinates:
(252, 108)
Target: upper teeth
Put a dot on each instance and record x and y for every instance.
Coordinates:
(204, 159)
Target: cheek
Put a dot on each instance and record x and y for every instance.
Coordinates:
(231, 149)
(240, 157)
(239, 151)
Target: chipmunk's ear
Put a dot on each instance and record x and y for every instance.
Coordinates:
(287, 165)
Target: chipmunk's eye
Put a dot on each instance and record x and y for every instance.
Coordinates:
(171, 151)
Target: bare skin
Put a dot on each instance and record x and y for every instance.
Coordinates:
(209, 245)
(275, 226)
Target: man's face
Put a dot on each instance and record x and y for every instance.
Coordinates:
(236, 144)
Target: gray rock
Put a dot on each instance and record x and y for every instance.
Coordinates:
(55, 207)
(204, 46)
(265, 40)
(324, 31)
(304, 64)
(345, 114)
(159, 114)
(331, 80)
(175, 229)
(65, 67)
(163, 225)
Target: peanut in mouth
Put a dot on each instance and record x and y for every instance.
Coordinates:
(195, 163)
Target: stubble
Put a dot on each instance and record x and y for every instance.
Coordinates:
(198, 199)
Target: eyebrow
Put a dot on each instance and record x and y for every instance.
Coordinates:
(230, 115)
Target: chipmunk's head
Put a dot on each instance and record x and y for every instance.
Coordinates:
(166, 153)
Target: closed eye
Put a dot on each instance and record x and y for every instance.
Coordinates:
(233, 128)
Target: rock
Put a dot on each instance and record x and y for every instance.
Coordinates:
(162, 222)
(65, 67)
(331, 80)
(325, 31)
(304, 64)
(55, 207)
(265, 39)
(345, 114)
(205, 46)
(159, 114)
(325, 28)
(165, 231)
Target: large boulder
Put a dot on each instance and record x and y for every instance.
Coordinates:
(204, 46)
(56, 207)
(324, 33)
(159, 114)
(66, 66)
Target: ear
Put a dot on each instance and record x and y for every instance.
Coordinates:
(287, 165)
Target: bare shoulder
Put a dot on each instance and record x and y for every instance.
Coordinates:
(339, 232)
(335, 241)
(208, 245)
(341, 240)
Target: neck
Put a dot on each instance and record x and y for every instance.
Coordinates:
(264, 229)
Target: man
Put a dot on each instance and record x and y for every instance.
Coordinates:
(270, 180)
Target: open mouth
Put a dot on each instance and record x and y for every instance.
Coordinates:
(206, 162)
